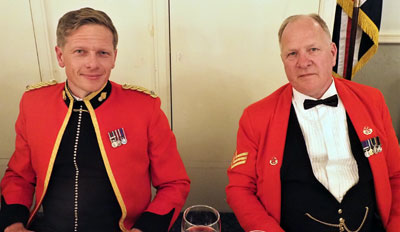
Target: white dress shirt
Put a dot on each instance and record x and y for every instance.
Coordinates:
(326, 136)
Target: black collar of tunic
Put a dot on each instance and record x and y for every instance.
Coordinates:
(96, 99)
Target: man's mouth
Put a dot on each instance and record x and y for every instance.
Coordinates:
(306, 74)
(92, 76)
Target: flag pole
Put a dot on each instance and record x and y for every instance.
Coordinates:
(353, 33)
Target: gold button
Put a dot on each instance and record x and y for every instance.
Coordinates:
(341, 220)
(340, 211)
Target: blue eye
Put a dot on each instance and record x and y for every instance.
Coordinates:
(314, 49)
(291, 54)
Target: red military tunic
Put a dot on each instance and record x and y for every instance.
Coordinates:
(149, 157)
(254, 189)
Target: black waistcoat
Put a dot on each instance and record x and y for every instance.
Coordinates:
(98, 209)
(303, 196)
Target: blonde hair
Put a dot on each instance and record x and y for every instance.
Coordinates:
(72, 20)
(293, 18)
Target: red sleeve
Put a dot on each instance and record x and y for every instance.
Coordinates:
(167, 171)
(17, 185)
(393, 164)
(242, 188)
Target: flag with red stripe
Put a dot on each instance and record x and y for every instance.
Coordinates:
(366, 43)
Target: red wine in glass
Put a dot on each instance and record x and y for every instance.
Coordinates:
(200, 229)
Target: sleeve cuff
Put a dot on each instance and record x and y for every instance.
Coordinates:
(151, 222)
(10, 214)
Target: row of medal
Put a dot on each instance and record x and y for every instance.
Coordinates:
(117, 137)
(371, 146)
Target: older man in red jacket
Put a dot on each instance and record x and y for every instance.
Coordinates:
(90, 149)
(318, 154)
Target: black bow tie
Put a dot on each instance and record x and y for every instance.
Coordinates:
(330, 101)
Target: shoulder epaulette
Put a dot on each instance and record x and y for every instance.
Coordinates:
(139, 89)
(40, 85)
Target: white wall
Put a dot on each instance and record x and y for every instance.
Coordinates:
(225, 55)
(19, 66)
(390, 25)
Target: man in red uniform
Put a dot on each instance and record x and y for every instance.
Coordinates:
(318, 154)
(90, 149)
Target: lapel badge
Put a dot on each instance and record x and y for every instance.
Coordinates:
(371, 146)
(367, 130)
(117, 137)
(273, 161)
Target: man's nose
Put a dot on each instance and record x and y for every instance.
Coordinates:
(303, 60)
(92, 61)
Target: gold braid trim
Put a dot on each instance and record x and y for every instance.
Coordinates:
(40, 85)
(368, 26)
(139, 89)
(52, 160)
(107, 165)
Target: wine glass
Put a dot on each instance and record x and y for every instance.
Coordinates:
(201, 218)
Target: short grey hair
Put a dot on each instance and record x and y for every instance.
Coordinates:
(293, 18)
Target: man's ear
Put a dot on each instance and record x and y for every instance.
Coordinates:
(115, 57)
(60, 57)
(334, 53)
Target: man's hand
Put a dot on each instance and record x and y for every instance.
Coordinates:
(16, 227)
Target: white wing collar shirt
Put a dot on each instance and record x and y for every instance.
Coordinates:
(326, 136)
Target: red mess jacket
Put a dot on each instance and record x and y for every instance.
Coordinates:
(149, 157)
(254, 189)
